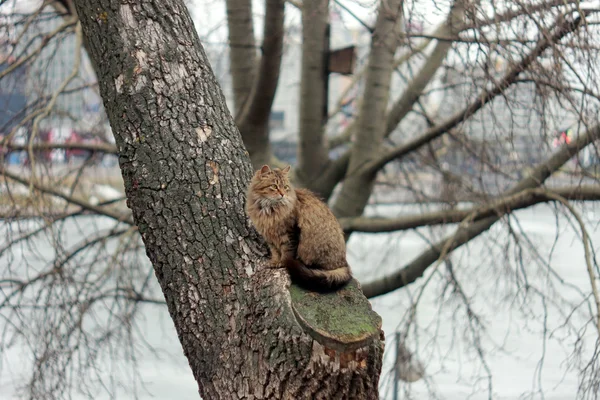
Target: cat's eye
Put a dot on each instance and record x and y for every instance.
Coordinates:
(287, 187)
(273, 186)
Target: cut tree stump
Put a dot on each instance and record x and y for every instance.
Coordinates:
(342, 320)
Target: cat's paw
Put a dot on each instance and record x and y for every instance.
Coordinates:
(275, 264)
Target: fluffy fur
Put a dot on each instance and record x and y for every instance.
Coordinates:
(303, 234)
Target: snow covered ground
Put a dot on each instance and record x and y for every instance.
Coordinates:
(519, 360)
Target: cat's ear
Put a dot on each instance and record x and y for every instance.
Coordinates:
(265, 169)
(286, 169)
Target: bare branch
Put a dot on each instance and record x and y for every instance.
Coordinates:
(52, 102)
(417, 267)
(345, 136)
(414, 90)
(565, 27)
(356, 18)
(126, 218)
(94, 147)
(586, 248)
(296, 3)
(68, 23)
(524, 9)
(446, 31)
(497, 207)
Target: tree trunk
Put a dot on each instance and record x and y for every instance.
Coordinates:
(242, 52)
(357, 189)
(253, 120)
(312, 151)
(185, 171)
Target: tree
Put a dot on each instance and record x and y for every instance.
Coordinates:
(184, 167)
(484, 58)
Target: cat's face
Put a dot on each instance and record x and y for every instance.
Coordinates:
(273, 185)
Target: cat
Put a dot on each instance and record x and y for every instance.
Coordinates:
(302, 233)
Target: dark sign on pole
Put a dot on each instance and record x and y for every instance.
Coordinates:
(342, 61)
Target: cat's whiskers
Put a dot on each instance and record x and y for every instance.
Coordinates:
(269, 204)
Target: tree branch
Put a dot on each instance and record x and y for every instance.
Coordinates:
(353, 15)
(415, 88)
(295, 3)
(500, 206)
(126, 218)
(96, 147)
(68, 23)
(434, 132)
(345, 136)
(585, 237)
(524, 10)
(565, 27)
(439, 32)
(470, 230)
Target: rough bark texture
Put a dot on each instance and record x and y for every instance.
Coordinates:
(312, 153)
(185, 171)
(371, 124)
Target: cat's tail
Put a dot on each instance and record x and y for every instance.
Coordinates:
(317, 279)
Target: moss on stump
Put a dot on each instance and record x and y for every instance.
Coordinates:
(342, 320)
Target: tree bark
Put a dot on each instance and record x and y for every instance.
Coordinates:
(185, 171)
